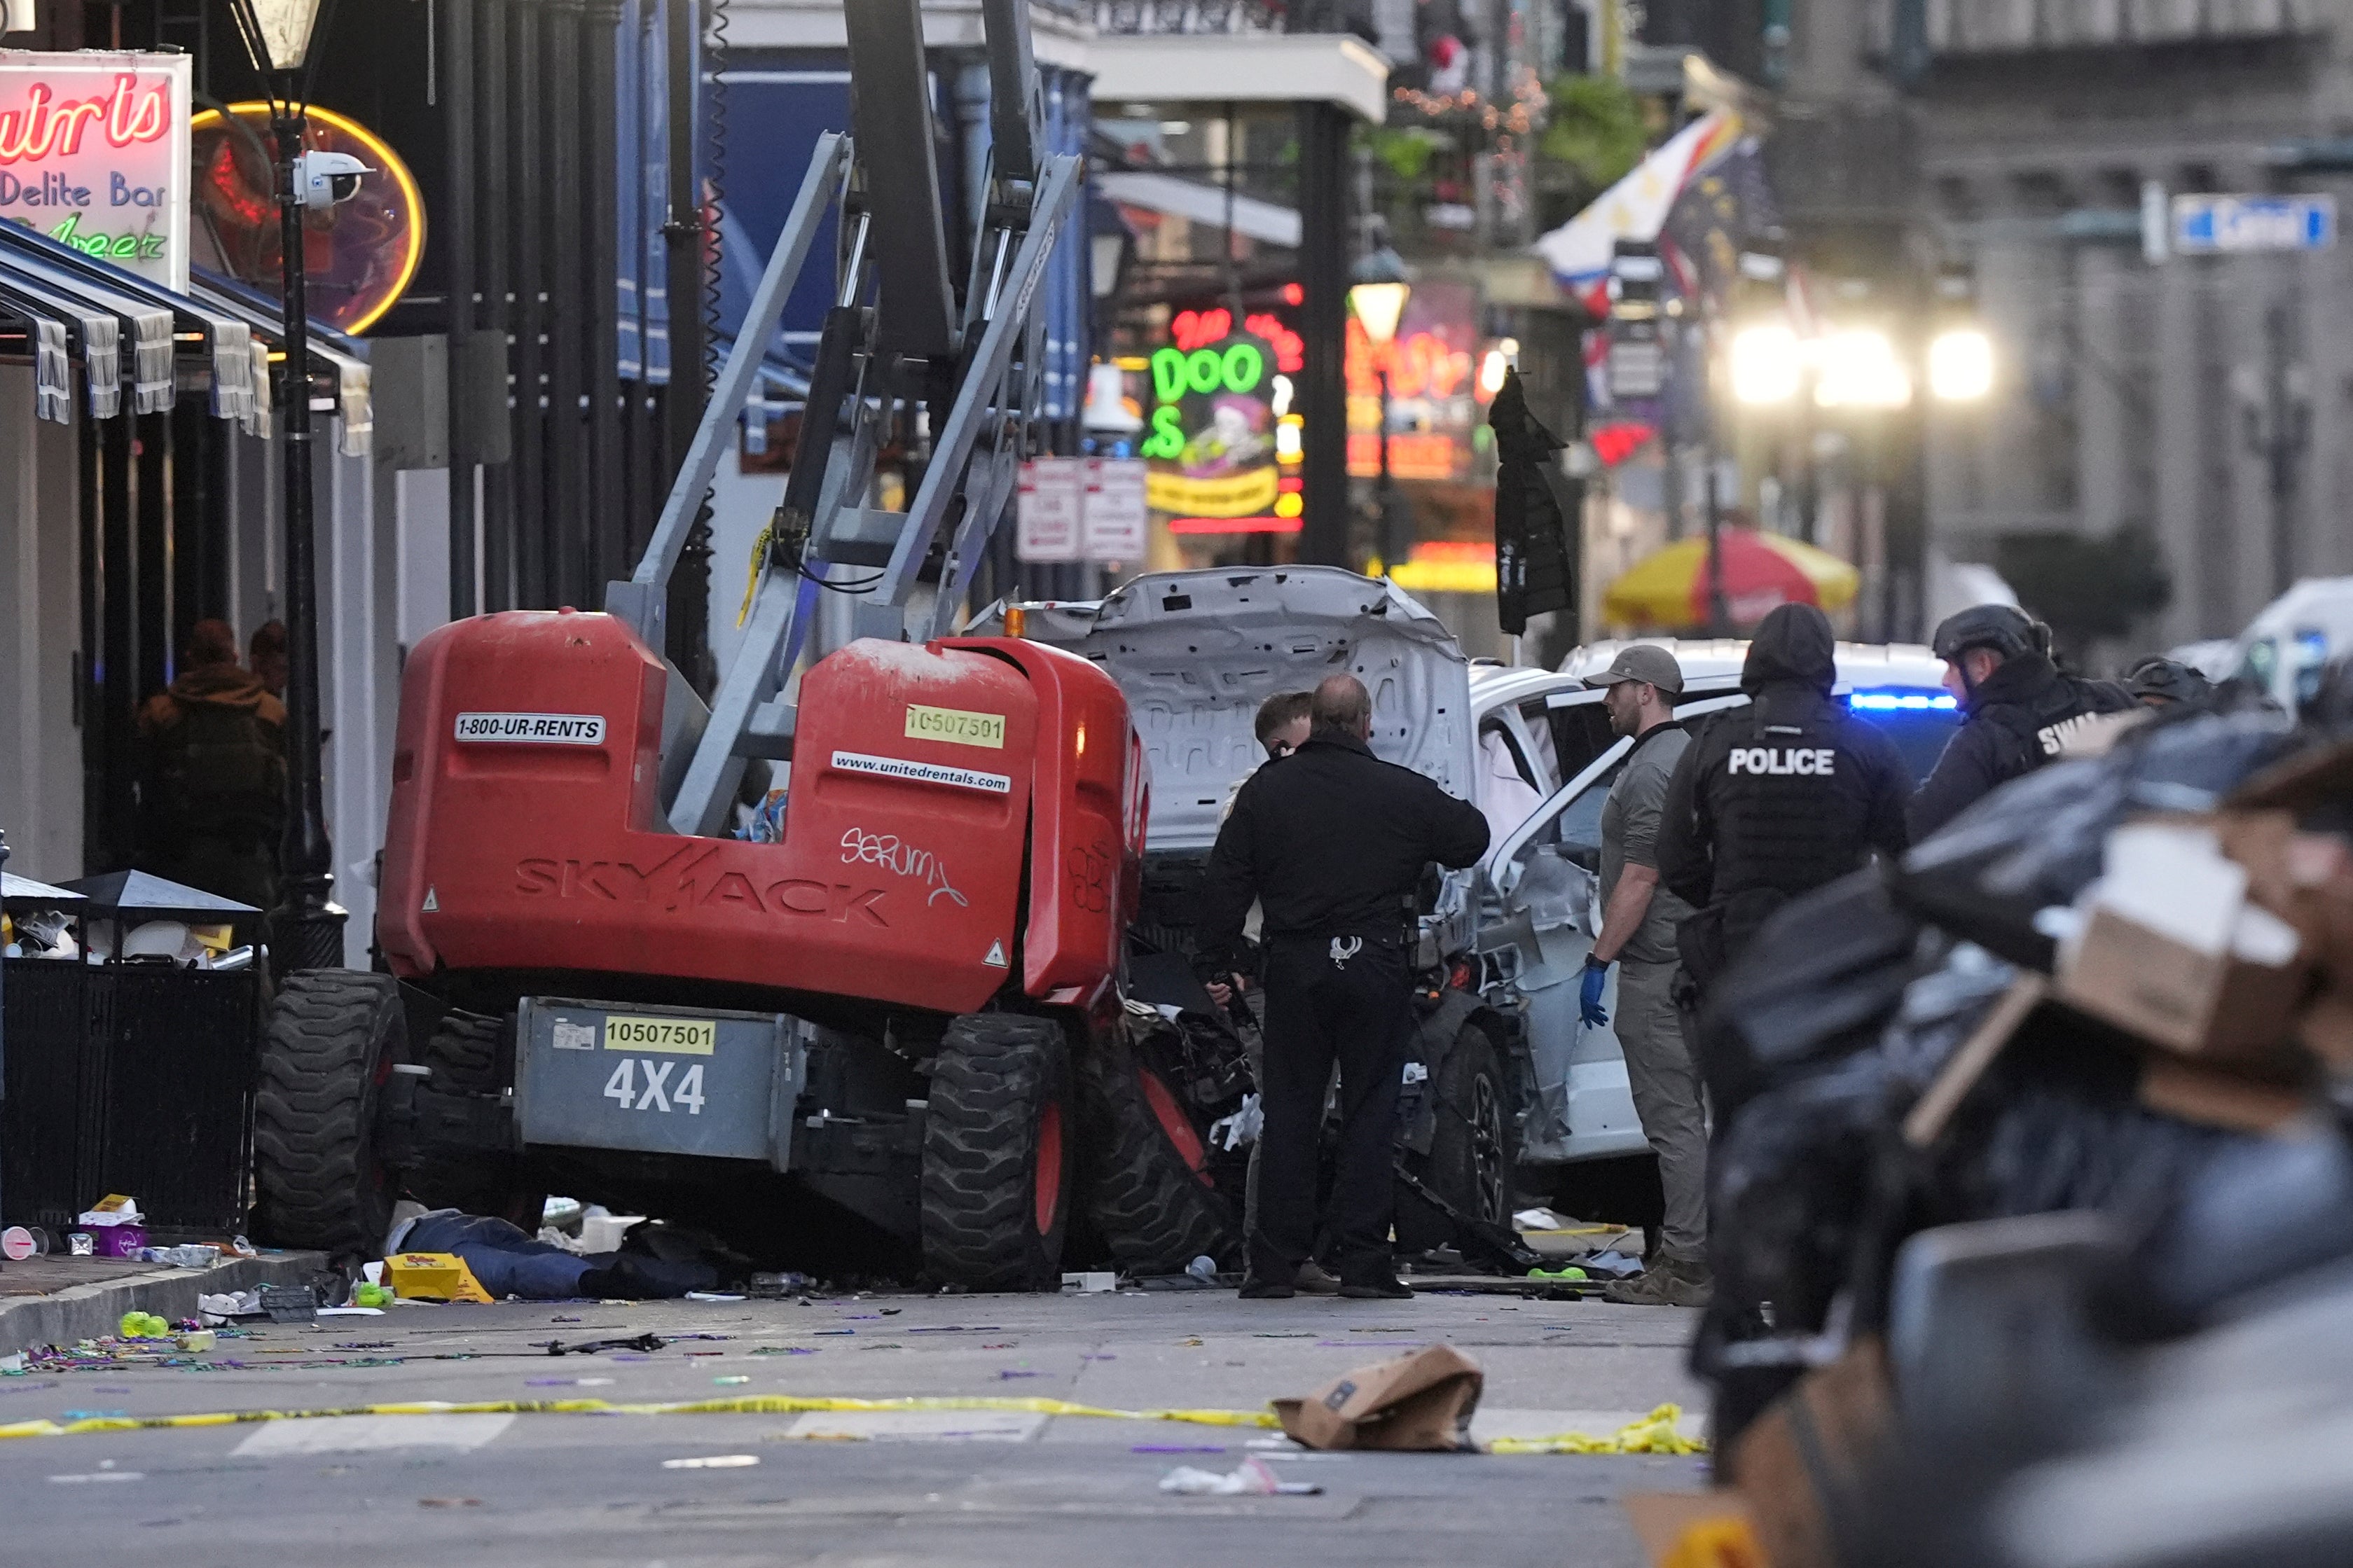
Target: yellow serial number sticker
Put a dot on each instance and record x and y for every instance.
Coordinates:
(680, 1036)
(956, 725)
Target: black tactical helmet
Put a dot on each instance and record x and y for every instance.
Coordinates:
(2004, 628)
(2168, 680)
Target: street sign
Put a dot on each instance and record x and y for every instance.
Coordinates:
(1048, 508)
(1117, 522)
(2220, 225)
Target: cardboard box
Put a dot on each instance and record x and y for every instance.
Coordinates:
(2170, 947)
(2211, 1005)
(1421, 1402)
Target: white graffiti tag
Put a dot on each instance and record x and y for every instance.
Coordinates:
(860, 847)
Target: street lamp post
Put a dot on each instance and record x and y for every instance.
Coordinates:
(307, 928)
(1379, 286)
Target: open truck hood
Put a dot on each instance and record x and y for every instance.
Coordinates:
(1196, 652)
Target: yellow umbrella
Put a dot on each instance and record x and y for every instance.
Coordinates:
(1668, 589)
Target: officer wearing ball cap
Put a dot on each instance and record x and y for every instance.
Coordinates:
(1639, 923)
(2017, 708)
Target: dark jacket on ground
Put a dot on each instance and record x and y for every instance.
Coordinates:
(1331, 843)
(2018, 719)
(1780, 796)
(212, 784)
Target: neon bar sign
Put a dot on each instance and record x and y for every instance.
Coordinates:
(94, 155)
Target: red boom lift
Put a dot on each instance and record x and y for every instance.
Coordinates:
(898, 1023)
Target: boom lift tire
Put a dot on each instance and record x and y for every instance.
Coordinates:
(332, 1038)
(1149, 1195)
(1474, 1152)
(464, 1056)
(998, 1151)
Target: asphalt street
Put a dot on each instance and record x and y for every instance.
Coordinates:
(968, 1487)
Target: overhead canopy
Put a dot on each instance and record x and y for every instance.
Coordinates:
(1200, 202)
(1668, 590)
(73, 307)
(1230, 67)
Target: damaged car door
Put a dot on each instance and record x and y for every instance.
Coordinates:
(1539, 905)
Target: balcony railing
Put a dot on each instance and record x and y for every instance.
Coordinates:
(2012, 26)
(1155, 16)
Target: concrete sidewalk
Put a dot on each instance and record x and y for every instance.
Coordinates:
(60, 1299)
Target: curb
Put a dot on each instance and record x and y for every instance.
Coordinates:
(92, 1311)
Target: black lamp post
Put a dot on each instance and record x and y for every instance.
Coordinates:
(307, 926)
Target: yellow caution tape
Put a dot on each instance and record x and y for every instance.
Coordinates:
(1653, 1433)
(767, 536)
(749, 1404)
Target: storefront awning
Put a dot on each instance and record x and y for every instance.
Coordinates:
(1197, 201)
(68, 301)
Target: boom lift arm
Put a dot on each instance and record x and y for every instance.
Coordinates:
(893, 343)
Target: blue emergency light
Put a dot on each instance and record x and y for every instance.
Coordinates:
(1902, 701)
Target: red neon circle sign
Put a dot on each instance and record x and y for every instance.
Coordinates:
(359, 257)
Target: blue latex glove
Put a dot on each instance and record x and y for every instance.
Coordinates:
(1588, 996)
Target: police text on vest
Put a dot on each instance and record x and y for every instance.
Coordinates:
(1814, 762)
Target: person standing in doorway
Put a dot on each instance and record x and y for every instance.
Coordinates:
(1638, 936)
(213, 775)
(1334, 842)
(267, 656)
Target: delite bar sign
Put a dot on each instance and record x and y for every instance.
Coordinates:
(94, 155)
(533, 729)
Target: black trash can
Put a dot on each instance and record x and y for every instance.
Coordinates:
(133, 1075)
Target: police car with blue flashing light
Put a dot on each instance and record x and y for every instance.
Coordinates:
(1538, 889)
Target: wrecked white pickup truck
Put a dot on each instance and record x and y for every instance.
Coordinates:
(1507, 1085)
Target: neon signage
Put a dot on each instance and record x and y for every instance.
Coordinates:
(1238, 368)
(1213, 445)
(361, 254)
(94, 155)
(128, 112)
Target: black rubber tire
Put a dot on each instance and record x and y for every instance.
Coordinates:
(332, 1038)
(1474, 1150)
(1153, 1208)
(999, 1082)
(464, 1055)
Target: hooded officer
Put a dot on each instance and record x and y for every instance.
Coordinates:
(2017, 710)
(1775, 798)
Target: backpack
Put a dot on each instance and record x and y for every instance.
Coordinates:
(220, 773)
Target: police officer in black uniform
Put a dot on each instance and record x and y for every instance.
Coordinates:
(1776, 798)
(1332, 844)
(2018, 708)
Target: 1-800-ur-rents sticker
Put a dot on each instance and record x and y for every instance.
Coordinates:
(533, 729)
(957, 725)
